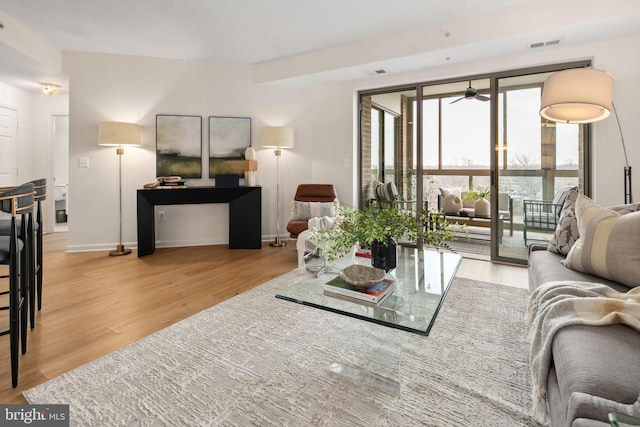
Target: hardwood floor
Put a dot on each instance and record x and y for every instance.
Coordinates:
(94, 304)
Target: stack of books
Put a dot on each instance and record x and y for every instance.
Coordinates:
(172, 183)
(372, 296)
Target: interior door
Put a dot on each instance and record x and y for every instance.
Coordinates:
(8, 147)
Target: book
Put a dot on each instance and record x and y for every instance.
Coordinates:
(357, 300)
(373, 294)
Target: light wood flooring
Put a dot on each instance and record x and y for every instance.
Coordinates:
(94, 304)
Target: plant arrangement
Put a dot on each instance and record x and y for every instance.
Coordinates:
(386, 226)
(478, 192)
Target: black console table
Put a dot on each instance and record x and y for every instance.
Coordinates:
(245, 213)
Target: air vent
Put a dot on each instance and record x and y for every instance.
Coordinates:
(375, 72)
(549, 43)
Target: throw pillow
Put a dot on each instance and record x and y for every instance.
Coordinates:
(386, 191)
(450, 190)
(560, 197)
(625, 209)
(302, 211)
(451, 204)
(566, 232)
(609, 243)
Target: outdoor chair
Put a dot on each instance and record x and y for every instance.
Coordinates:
(543, 215)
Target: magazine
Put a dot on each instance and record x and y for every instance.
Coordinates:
(374, 294)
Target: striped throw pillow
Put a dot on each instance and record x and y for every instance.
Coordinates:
(609, 243)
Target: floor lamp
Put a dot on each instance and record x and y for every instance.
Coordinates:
(583, 95)
(119, 134)
(277, 137)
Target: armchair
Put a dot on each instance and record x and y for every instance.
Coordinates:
(543, 215)
(310, 200)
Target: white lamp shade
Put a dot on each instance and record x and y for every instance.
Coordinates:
(277, 137)
(119, 133)
(580, 95)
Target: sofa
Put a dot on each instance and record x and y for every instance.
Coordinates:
(594, 370)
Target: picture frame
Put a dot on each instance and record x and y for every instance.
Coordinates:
(179, 145)
(229, 137)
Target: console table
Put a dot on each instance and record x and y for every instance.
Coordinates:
(245, 213)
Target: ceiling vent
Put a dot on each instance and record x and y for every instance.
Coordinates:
(375, 72)
(549, 43)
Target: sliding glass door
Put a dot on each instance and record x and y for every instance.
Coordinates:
(388, 150)
(482, 134)
(537, 161)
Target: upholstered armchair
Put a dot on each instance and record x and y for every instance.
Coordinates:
(310, 201)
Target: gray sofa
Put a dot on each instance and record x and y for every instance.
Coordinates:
(596, 368)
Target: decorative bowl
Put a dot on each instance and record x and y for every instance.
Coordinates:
(361, 276)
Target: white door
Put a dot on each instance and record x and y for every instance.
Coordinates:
(8, 147)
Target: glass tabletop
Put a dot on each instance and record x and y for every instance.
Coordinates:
(422, 278)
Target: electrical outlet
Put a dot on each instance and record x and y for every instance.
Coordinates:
(162, 215)
(83, 162)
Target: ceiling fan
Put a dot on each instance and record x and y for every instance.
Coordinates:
(471, 93)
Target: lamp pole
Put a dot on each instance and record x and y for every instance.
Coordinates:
(277, 243)
(120, 250)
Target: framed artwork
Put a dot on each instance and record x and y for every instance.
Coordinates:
(179, 146)
(229, 137)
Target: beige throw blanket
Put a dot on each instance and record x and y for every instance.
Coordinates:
(555, 305)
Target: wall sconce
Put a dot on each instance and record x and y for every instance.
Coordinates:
(50, 88)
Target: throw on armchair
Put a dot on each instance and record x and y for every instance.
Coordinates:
(311, 200)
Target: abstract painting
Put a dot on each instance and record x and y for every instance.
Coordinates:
(179, 146)
(229, 137)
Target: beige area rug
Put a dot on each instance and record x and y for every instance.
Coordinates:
(258, 360)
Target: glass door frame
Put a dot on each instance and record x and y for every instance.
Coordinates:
(494, 135)
(495, 172)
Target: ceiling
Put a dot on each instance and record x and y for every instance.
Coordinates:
(259, 31)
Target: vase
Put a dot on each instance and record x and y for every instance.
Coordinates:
(383, 255)
(482, 207)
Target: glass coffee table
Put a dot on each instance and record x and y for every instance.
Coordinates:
(422, 276)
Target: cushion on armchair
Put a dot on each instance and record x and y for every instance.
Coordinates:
(323, 196)
(306, 210)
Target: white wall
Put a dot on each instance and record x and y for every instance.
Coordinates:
(134, 89)
(108, 87)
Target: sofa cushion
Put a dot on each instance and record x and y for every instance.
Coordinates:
(546, 266)
(302, 211)
(595, 363)
(566, 232)
(609, 243)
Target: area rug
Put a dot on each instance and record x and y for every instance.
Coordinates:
(258, 360)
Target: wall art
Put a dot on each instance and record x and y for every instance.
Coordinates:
(179, 146)
(229, 137)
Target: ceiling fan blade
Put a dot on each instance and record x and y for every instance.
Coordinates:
(459, 99)
(482, 98)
